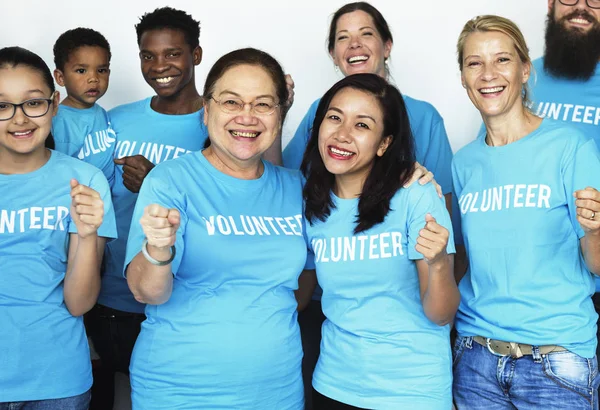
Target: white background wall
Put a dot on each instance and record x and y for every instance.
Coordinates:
(423, 63)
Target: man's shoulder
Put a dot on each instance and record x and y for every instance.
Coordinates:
(135, 107)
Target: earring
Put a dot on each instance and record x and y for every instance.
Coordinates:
(336, 68)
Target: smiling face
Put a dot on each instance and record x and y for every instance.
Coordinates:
(85, 76)
(241, 138)
(493, 74)
(21, 135)
(168, 62)
(351, 134)
(358, 46)
(580, 17)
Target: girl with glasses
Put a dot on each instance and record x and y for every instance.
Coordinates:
(55, 216)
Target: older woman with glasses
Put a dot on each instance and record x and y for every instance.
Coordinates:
(528, 204)
(217, 255)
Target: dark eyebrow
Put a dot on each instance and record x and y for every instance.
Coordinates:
(369, 117)
(362, 28)
(36, 90)
(358, 116)
(239, 96)
(497, 54)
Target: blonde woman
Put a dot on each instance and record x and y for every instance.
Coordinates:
(528, 204)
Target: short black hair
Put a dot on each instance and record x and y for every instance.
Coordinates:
(71, 40)
(388, 173)
(168, 17)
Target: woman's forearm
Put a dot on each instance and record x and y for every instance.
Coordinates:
(441, 298)
(590, 247)
(150, 284)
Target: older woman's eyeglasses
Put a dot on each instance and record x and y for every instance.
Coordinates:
(263, 106)
(34, 108)
(593, 4)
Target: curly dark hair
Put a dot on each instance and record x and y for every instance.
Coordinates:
(388, 173)
(168, 17)
(71, 40)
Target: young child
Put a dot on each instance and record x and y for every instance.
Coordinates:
(55, 216)
(82, 128)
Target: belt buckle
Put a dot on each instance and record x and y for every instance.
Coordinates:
(515, 351)
(487, 344)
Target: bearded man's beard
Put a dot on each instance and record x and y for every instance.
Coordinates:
(571, 53)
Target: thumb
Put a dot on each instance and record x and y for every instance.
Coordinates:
(74, 183)
(174, 217)
(119, 161)
(429, 218)
(157, 211)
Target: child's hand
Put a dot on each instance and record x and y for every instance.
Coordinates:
(135, 169)
(160, 226)
(432, 240)
(87, 209)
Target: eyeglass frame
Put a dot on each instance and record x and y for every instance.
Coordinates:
(576, 2)
(244, 103)
(50, 101)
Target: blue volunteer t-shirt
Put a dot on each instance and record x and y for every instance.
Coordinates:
(228, 336)
(527, 281)
(86, 134)
(158, 137)
(432, 147)
(378, 349)
(574, 101)
(44, 353)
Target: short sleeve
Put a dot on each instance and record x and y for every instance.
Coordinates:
(294, 150)
(438, 157)
(582, 170)
(421, 201)
(60, 132)
(108, 229)
(157, 188)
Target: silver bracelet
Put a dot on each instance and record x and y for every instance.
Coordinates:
(154, 261)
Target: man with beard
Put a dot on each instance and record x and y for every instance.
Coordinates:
(566, 86)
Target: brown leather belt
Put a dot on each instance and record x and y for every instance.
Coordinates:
(515, 350)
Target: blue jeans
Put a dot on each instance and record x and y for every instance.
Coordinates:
(80, 402)
(554, 381)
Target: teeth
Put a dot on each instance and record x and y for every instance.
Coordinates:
(579, 21)
(357, 58)
(491, 90)
(20, 134)
(340, 152)
(244, 134)
(164, 80)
